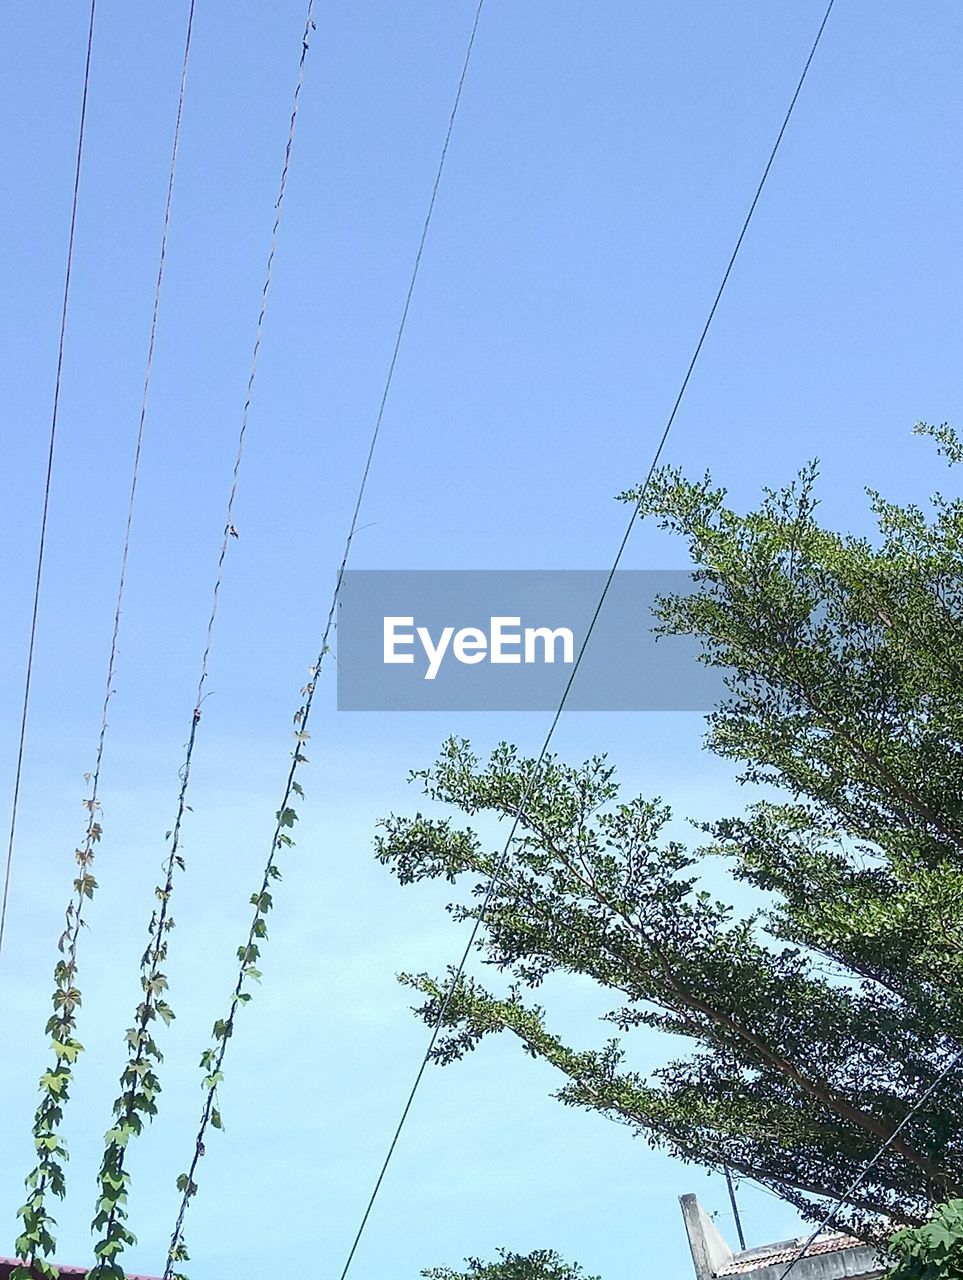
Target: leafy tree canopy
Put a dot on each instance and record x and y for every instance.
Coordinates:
(817, 1021)
(543, 1264)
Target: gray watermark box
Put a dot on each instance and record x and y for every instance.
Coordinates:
(507, 640)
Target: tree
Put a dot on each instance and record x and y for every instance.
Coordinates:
(542, 1264)
(819, 1019)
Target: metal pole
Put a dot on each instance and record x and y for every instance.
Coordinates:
(735, 1206)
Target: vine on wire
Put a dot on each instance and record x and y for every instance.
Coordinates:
(139, 1082)
(140, 1085)
(36, 1242)
(248, 955)
(212, 1060)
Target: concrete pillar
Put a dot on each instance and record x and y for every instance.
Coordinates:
(710, 1253)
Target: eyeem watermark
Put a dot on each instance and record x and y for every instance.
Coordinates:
(505, 641)
(492, 640)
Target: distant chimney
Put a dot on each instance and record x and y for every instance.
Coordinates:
(710, 1253)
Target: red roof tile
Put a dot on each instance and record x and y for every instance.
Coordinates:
(7, 1265)
(786, 1252)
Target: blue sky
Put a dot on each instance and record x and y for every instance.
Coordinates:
(601, 166)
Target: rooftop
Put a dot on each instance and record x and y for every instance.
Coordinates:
(752, 1260)
(7, 1265)
(833, 1256)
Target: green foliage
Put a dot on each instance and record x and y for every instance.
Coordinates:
(136, 1103)
(933, 1251)
(40, 1267)
(816, 1021)
(212, 1059)
(35, 1241)
(948, 443)
(542, 1264)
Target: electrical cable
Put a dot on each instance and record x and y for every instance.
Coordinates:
(153, 982)
(93, 803)
(302, 717)
(536, 769)
(67, 996)
(838, 1204)
(28, 679)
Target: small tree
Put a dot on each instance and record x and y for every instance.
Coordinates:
(542, 1264)
(817, 1021)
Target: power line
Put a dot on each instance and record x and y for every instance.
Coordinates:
(49, 1170)
(301, 719)
(404, 320)
(536, 769)
(47, 483)
(93, 802)
(830, 1215)
(152, 980)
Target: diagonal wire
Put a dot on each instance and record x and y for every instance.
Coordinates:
(235, 475)
(177, 1236)
(870, 1165)
(93, 802)
(135, 471)
(403, 322)
(537, 767)
(46, 1173)
(46, 496)
(160, 922)
(229, 532)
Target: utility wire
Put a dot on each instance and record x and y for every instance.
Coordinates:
(93, 802)
(135, 471)
(50, 1171)
(175, 1250)
(161, 920)
(403, 322)
(536, 769)
(838, 1204)
(46, 496)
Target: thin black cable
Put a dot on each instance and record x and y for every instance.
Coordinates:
(830, 1215)
(47, 1121)
(536, 769)
(401, 328)
(138, 448)
(92, 803)
(157, 946)
(176, 1240)
(47, 484)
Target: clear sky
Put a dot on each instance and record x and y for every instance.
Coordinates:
(600, 169)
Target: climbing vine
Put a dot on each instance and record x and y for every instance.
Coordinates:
(248, 955)
(139, 1082)
(35, 1242)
